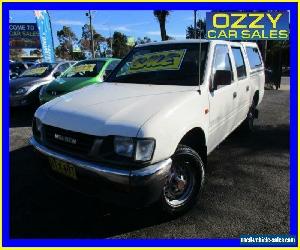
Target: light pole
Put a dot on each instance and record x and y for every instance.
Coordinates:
(111, 39)
(89, 14)
(110, 36)
(195, 24)
(265, 50)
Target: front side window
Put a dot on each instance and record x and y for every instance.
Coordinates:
(167, 64)
(87, 68)
(239, 62)
(222, 69)
(254, 57)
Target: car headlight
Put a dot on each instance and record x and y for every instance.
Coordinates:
(139, 149)
(37, 128)
(144, 149)
(38, 124)
(22, 90)
(124, 146)
(42, 90)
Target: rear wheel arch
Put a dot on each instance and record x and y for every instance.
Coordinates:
(256, 97)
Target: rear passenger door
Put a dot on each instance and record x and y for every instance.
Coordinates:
(257, 75)
(243, 83)
(223, 99)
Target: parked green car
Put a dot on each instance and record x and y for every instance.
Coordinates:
(79, 75)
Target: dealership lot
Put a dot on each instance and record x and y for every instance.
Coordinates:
(247, 189)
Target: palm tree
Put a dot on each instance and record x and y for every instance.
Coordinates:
(161, 16)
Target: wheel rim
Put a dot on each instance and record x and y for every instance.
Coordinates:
(179, 186)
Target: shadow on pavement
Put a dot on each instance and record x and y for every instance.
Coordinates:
(263, 138)
(42, 208)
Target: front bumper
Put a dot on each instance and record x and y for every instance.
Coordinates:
(138, 187)
(30, 97)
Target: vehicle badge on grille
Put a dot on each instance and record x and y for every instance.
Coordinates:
(65, 139)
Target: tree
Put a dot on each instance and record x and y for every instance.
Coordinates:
(119, 45)
(85, 41)
(161, 16)
(190, 31)
(36, 52)
(67, 39)
(143, 40)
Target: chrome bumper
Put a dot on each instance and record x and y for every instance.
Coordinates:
(152, 177)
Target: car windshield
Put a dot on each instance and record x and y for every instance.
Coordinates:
(168, 64)
(39, 70)
(87, 68)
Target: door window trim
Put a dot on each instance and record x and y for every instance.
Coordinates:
(212, 66)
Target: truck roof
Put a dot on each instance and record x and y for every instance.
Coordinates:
(197, 41)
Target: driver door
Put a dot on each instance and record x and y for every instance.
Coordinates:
(223, 98)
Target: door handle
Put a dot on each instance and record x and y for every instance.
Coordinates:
(234, 95)
(247, 88)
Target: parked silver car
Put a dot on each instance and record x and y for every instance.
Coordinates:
(24, 90)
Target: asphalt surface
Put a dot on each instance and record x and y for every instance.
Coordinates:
(246, 191)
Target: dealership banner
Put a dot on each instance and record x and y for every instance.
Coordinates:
(44, 26)
(273, 25)
(24, 36)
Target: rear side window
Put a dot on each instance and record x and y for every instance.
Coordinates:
(254, 58)
(239, 62)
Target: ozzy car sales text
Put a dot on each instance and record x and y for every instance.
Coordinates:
(272, 25)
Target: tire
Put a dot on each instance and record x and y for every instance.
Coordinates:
(248, 124)
(180, 193)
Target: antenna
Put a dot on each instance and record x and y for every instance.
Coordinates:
(200, 56)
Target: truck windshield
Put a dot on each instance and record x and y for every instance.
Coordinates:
(168, 64)
(86, 68)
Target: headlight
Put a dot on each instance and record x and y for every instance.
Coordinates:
(38, 124)
(144, 149)
(37, 128)
(138, 149)
(22, 91)
(42, 90)
(124, 146)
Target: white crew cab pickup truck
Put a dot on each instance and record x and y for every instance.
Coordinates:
(143, 136)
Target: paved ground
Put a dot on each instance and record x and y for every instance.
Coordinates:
(247, 191)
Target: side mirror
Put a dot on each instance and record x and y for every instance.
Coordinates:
(221, 77)
(57, 74)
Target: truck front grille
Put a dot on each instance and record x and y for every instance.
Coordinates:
(84, 146)
(69, 141)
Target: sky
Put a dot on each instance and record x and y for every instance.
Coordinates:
(135, 23)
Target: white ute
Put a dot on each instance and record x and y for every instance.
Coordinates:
(143, 136)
